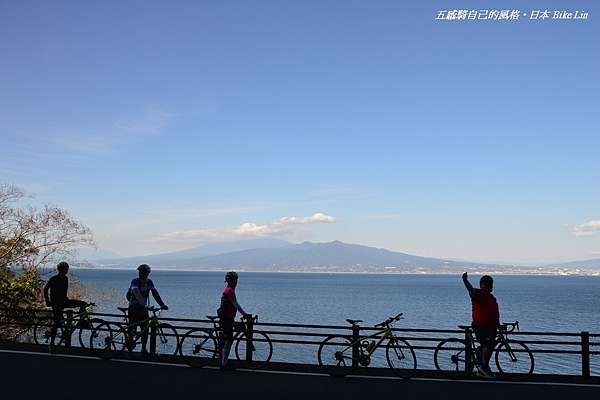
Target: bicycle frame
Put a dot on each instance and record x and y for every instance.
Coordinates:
(131, 334)
(386, 333)
(80, 317)
(218, 331)
(77, 317)
(472, 346)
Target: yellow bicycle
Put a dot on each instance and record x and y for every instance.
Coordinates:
(110, 339)
(340, 355)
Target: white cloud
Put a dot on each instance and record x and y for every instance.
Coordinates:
(587, 229)
(281, 227)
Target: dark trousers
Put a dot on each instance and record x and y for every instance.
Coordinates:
(486, 336)
(138, 317)
(58, 309)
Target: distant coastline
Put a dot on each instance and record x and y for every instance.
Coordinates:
(534, 271)
(270, 255)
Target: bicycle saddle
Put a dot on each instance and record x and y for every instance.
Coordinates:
(212, 317)
(123, 309)
(464, 327)
(354, 321)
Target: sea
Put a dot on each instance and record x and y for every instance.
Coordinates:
(569, 304)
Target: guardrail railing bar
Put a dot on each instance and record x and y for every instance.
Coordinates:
(29, 317)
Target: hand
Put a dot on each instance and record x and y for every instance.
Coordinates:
(164, 307)
(465, 276)
(247, 315)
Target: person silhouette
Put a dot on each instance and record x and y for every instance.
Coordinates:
(486, 318)
(226, 312)
(55, 295)
(138, 295)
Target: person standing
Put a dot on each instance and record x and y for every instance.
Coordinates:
(139, 299)
(226, 312)
(55, 295)
(486, 319)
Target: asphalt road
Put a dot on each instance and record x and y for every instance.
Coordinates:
(36, 376)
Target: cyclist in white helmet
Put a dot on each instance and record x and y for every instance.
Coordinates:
(139, 299)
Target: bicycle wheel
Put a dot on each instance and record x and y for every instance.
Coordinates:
(450, 359)
(401, 358)
(85, 330)
(335, 355)
(108, 340)
(42, 332)
(167, 340)
(262, 349)
(515, 359)
(198, 347)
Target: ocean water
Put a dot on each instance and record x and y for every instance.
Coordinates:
(539, 303)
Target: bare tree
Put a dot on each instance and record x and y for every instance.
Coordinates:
(31, 237)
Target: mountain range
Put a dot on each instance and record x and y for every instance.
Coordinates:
(270, 254)
(267, 254)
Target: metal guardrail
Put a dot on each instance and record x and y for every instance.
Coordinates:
(574, 343)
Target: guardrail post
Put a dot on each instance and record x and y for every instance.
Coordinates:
(355, 345)
(468, 351)
(152, 339)
(68, 329)
(249, 338)
(585, 354)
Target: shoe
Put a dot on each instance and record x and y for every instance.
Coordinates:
(483, 372)
(489, 373)
(144, 354)
(480, 373)
(52, 348)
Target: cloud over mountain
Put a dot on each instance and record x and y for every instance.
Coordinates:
(279, 227)
(587, 229)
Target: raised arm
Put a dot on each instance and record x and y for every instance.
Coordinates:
(468, 285)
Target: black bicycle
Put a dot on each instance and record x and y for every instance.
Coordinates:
(456, 358)
(201, 346)
(82, 322)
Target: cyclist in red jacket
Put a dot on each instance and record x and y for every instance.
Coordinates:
(486, 318)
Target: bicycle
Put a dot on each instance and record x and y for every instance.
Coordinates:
(110, 339)
(456, 358)
(201, 346)
(341, 355)
(42, 330)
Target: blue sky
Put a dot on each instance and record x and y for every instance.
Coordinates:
(166, 125)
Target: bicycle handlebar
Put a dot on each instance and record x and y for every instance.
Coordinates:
(389, 320)
(510, 326)
(154, 309)
(249, 316)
